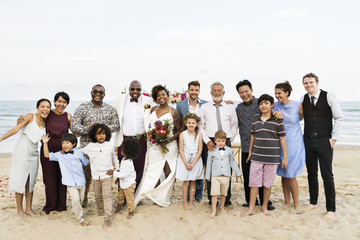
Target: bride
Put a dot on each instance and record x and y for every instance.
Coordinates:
(159, 176)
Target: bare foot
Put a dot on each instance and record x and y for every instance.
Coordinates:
(329, 215)
(130, 215)
(299, 210)
(248, 213)
(30, 213)
(212, 215)
(84, 223)
(311, 207)
(223, 211)
(266, 212)
(230, 207)
(107, 223)
(21, 214)
(285, 207)
(118, 209)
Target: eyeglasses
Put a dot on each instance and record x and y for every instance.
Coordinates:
(98, 92)
(137, 89)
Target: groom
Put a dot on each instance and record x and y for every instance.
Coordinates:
(133, 110)
(192, 105)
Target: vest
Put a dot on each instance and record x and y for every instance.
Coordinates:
(318, 119)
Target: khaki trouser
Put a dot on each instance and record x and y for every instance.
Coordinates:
(103, 197)
(127, 193)
(77, 195)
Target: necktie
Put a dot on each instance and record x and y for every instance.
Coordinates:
(71, 152)
(223, 148)
(133, 100)
(218, 119)
(313, 101)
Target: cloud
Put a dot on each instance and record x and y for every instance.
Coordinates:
(193, 35)
(291, 13)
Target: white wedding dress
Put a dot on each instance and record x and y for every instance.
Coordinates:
(154, 169)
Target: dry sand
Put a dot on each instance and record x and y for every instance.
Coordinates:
(153, 222)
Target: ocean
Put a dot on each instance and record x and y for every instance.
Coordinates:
(11, 110)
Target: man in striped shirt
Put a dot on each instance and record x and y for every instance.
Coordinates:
(267, 134)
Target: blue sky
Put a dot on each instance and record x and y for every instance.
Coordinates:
(51, 46)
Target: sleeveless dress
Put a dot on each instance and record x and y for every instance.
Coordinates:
(294, 139)
(154, 169)
(25, 158)
(56, 126)
(191, 148)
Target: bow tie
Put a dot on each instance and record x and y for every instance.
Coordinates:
(223, 148)
(71, 152)
(133, 100)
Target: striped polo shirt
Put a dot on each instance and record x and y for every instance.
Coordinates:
(267, 144)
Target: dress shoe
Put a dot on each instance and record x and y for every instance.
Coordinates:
(270, 207)
(245, 205)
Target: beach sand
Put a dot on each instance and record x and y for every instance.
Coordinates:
(153, 222)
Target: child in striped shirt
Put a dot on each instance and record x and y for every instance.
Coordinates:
(267, 134)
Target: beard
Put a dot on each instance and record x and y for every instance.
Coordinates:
(217, 99)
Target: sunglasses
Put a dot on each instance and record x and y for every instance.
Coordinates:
(137, 89)
(98, 92)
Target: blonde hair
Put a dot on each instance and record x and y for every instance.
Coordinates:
(220, 134)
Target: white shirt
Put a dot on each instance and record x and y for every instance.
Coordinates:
(335, 110)
(102, 156)
(195, 110)
(208, 123)
(126, 174)
(133, 119)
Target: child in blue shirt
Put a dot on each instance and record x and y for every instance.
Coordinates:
(70, 161)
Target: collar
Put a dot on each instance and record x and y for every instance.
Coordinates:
(317, 94)
(221, 104)
(92, 104)
(188, 101)
(128, 97)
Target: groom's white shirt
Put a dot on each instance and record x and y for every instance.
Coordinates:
(133, 117)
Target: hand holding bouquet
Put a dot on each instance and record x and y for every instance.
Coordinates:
(160, 134)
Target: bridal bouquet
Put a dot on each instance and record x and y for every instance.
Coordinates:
(159, 133)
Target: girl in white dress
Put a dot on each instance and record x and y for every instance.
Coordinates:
(189, 166)
(159, 176)
(25, 157)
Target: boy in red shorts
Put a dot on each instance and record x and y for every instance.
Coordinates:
(267, 134)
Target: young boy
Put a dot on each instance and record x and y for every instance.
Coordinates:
(71, 161)
(102, 158)
(218, 171)
(267, 134)
(127, 176)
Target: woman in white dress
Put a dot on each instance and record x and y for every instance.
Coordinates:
(25, 156)
(159, 176)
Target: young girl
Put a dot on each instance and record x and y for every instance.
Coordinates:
(25, 157)
(102, 156)
(189, 165)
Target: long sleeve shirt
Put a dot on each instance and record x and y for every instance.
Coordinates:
(335, 110)
(126, 173)
(87, 114)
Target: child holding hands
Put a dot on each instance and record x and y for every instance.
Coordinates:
(189, 165)
(70, 161)
(127, 176)
(267, 134)
(102, 157)
(218, 171)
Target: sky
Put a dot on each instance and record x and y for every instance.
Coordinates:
(51, 46)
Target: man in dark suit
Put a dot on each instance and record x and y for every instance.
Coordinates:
(322, 128)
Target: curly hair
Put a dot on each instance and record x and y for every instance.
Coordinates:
(192, 116)
(103, 129)
(156, 89)
(131, 148)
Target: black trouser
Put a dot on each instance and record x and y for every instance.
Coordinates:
(245, 166)
(319, 150)
(208, 188)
